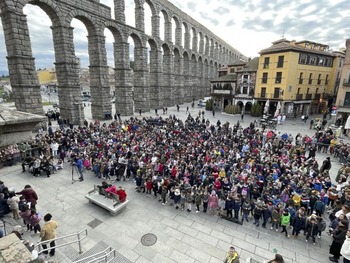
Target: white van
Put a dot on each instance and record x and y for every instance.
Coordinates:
(203, 102)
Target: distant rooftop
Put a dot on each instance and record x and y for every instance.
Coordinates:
(283, 45)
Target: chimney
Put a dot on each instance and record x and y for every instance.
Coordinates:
(347, 53)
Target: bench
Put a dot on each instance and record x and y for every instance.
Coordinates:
(108, 201)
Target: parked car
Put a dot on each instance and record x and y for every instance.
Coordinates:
(201, 103)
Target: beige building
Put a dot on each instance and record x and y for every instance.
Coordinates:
(235, 85)
(343, 96)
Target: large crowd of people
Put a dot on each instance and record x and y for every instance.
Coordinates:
(239, 173)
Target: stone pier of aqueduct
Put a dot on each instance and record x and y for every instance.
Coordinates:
(174, 72)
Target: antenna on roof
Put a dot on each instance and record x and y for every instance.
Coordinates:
(283, 34)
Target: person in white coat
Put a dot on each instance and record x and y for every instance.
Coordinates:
(345, 249)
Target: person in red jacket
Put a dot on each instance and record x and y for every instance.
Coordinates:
(122, 194)
(29, 195)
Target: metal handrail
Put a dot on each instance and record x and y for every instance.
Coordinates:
(103, 255)
(38, 245)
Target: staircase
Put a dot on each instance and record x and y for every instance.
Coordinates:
(101, 252)
(69, 249)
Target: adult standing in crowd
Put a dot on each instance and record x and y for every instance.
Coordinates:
(48, 232)
(339, 236)
(29, 195)
(79, 164)
(345, 249)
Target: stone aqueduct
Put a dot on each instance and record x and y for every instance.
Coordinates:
(177, 72)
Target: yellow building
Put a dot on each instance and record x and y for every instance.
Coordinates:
(301, 75)
(47, 76)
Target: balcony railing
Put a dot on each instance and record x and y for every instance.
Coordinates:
(346, 83)
(308, 96)
(299, 97)
(317, 96)
(263, 95)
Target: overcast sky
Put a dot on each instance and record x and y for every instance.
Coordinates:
(247, 25)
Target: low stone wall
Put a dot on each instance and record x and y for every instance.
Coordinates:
(13, 250)
(16, 126)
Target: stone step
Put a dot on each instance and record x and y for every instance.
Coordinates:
(97, 248)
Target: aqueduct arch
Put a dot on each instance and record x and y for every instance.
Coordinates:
(179, 70)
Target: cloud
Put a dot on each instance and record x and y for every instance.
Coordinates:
(192, 6)
(205, 16)
(221, 10)
(247, 25)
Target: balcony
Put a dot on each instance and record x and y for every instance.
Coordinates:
(308, 97)
(276, 96)
(299, 97)
(346, 83)
(263, 95)
(317, 96)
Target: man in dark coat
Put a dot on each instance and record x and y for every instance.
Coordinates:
(326, 165)
(311, 230)
(298, 224)
(4, 207)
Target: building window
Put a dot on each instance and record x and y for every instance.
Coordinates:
(301, 78)
(290, 88)
(319, 79)
(308, 90)
(327, 80)
(278, 77)
(302, 59)
(276, 94)
(264, 78)
(312, 60)
(266, 62)
(263, 92)
(232, 70)
(310, 79)
(347, 99)
(245, 90)
(321, 61)
(280, 61)
(245, 78)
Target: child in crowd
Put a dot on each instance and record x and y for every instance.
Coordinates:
(34, 220)
(222, 204)
(13, 202)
